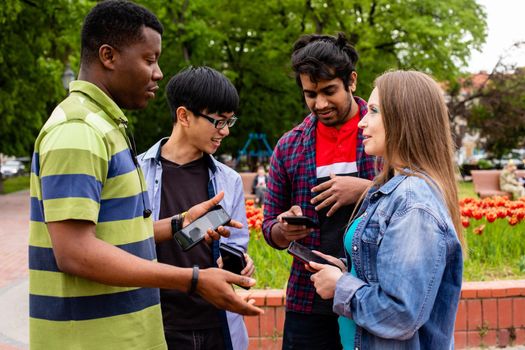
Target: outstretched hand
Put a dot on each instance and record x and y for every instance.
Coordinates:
(214, 285)
(202, 208)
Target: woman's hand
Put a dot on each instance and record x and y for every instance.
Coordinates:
(325, 279)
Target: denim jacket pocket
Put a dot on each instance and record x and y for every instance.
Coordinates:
(371, 238)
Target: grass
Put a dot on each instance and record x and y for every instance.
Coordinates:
(272, 266)
(466, 189)
(497, 253)
(17, 183)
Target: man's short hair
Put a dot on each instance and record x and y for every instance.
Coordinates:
(199, 89)
(116, 23)
(324, 57)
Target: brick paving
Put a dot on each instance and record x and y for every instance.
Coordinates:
(14, 233)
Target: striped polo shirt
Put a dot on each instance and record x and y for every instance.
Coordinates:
(83, 169)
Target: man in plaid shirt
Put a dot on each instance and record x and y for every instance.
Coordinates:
(318, 169)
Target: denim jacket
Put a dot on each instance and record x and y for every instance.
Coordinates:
(222, 178)
(409, 268)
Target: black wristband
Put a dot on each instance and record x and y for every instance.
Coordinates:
(194, 279)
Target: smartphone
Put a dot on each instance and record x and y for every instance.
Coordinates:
(192, 234)
(232, 259)
(300, 220)
(306, 255)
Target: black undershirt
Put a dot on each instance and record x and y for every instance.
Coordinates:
(182, 187)
(332, 231)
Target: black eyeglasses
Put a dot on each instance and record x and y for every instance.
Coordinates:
(218, 123)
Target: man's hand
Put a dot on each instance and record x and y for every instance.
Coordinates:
(283, 233)
(338, 192)
(214, 285)
(325, 279)
(202, 208)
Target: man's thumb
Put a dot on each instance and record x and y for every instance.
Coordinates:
(296, 210)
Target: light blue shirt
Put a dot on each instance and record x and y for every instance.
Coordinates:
(222, 178)
(409, 267)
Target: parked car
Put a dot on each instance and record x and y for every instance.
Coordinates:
(12, 168)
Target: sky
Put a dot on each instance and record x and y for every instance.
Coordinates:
(506, 25)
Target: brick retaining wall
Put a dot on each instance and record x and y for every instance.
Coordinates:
(489, 314)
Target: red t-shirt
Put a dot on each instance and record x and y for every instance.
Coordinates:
(336, 150)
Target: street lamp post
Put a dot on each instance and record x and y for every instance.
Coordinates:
(67, 77)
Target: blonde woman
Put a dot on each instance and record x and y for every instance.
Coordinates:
(403, 282)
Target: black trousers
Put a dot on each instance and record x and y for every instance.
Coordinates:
(311, 332)
(202, 339)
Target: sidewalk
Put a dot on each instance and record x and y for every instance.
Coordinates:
(14, 309)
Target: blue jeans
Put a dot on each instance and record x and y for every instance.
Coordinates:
(311, 332)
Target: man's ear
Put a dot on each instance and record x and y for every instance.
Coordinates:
(107, 56)
(183, 116)
(353, 81)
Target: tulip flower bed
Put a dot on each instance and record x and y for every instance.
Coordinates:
(494, 227)
(495, 231)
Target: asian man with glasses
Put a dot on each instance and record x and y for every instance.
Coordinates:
(180, 171)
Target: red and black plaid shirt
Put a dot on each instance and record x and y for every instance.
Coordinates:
(290, 180)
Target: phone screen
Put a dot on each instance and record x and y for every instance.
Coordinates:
(194, 232)
(306, 255)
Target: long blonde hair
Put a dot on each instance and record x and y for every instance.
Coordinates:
(418, 135)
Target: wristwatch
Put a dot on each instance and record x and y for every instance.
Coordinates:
(177, 221)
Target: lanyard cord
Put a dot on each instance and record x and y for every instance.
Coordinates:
(130, 140)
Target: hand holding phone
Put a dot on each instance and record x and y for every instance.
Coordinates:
(306, 255)
(232, 259)
(192, 234)
(300, 220)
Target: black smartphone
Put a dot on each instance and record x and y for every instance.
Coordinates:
(300, 220)
(192, 234)
(306, 255)
(232, 259)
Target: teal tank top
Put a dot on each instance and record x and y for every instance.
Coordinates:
(347, 326)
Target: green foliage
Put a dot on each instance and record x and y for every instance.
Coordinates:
(485, 164)
(35, 42)
(252, 46)
(14, 184)
(250, 43)
(499, 112)
(272, 266)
